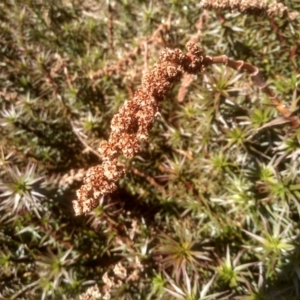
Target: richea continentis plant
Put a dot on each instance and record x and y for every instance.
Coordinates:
(149, 149)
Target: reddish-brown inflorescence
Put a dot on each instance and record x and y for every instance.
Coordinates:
(251, 6)
(133, 122)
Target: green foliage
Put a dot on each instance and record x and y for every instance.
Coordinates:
(210, 207)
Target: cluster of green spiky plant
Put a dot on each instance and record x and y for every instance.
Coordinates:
(210, 207)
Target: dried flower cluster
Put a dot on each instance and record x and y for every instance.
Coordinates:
(133, 122)
(117, 277)
(92, 293)
(71, 177)
(249, 6)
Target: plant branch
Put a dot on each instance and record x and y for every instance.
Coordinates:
(258, 80)
(132, 123)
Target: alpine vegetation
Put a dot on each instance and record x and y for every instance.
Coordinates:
(149, 149)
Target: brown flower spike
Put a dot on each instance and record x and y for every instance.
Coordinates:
(134, 119)
(251, 6)
(133, 122)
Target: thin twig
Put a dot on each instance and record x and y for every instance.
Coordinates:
(110, 26)
(83, 142)
(148, 178)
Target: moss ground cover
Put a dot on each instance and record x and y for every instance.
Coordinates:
(208, 208)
